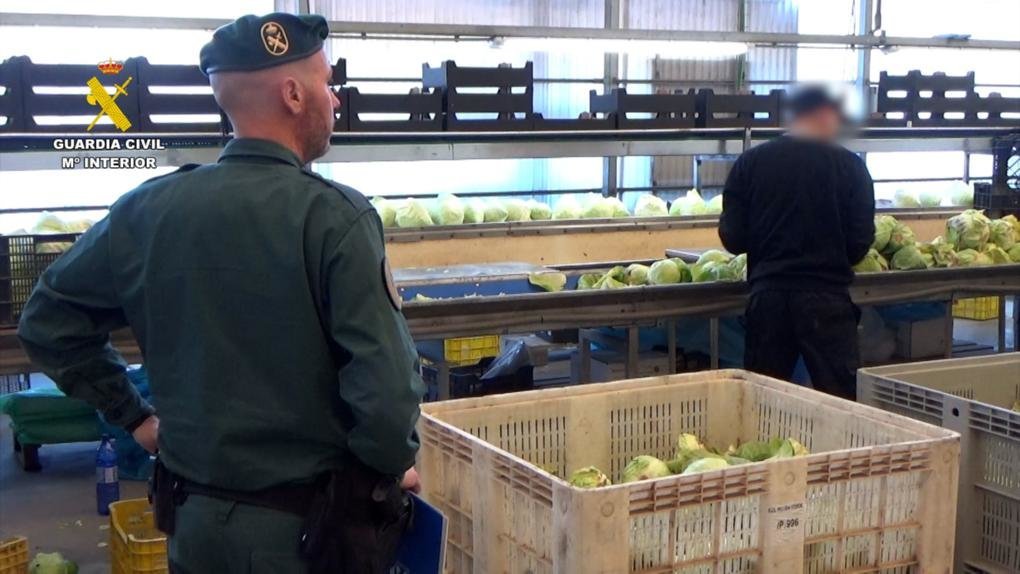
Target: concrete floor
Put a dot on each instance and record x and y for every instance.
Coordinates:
(56, 508)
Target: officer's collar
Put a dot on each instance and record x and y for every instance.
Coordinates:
(252, 147)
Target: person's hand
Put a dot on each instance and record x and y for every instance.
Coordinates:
(146, 434)
(411, 481)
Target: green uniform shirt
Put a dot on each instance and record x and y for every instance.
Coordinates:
(257, 292)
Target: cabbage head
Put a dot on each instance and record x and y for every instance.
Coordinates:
(518, 210)
(930, 199)
(587, 281)
(51, 563)
(539, 211)
(904, 199)
(474, 211)
(998, 255)
(873, 262)
(739, 267)
(549, 280)
(966, 257)
(706, 464)
(1012, 220)
(412, 213)
(649, 205)
(687, 441)
(387, 212)
(637, 274)
(596, 207)
(714, 255)
(664, 272)
(941, 253)
(685, 270)
(712, 271)
(901, 236)
(567, 208)
(690, 204)
(1014, 253)
(884, 225)
(961, 194)
(494, 212)
(908, 258)
(617, 207)
(758, 450)
(589, 477)
(447, 210)
(644, 467)
(1001, 233)
(714, 206)
(609, 282)
(969, 230)
(49, 223)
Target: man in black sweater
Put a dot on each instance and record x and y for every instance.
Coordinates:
(802, 207)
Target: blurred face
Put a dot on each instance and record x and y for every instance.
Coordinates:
(315, 121)
(824, 123)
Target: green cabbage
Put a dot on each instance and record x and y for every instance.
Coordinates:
(884, 225)
(518, 210)
(687, 441)
(495, 212)
(968, 230)
(664, 272)
(567, 208)
(589, 477)
(930, 199)
(873, 262)
(690, 204)
(650, 206)
(637, 274)
(706, 464)
(940, 252)
(411, 213)
(387, 213)
(904, 199)
(998, 255)
(908, 258)
(548, 280)
(961, 194)
(446, 210)
(758, 450)
(1012, 220)
(714, 205)
(474, 211)
(51, 563)
(739, 267)
(588, 281)
(712, 271)
(595, 207)
(539, 211)
(617, 207)
(685, 270)
(1001, 233)
(714, 255)
(615, 278)
(901, 236)
(644, 467)
(1014, 253)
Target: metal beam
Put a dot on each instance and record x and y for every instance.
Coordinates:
(484, 32)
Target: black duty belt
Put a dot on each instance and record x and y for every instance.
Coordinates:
(290, 498)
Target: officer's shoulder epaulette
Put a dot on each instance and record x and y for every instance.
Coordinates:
(353, 196)
(183, 169)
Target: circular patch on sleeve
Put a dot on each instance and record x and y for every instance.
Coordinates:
(391, 288)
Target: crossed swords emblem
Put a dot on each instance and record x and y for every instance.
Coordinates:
(107, 106)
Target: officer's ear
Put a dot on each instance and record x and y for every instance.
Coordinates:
(293, 93)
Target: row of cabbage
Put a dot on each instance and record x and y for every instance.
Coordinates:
(971, 239)
(451, 210)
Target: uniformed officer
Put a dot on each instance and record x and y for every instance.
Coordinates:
(260, 296)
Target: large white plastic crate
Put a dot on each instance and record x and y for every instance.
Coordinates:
(875, 495)
(975, 397)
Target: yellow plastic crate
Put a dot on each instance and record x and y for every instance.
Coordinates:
(136, 546)
(14, 555)
(976, 308)
(469, 350)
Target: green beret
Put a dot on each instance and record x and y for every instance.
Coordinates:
(256, 42)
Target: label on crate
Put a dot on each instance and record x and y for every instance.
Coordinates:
(786, 520)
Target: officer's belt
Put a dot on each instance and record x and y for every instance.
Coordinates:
(290, 498)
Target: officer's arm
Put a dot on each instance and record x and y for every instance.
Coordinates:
(860, 231)
(378, 381)
(65, 330)
(733, 221)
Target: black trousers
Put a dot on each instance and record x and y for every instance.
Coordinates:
(820, 326)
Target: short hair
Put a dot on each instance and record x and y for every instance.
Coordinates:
(811, 98)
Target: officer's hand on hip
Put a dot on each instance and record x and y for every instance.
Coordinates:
(411, 481)
(147, 432)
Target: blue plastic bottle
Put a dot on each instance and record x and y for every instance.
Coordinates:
(107, 483)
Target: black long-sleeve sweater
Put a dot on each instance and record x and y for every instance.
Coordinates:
(802, 210)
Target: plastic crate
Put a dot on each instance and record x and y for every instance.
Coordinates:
(136, 546)
(873, 496)
(976, 308)
(23, 258)
(974, 397)
(14, 383)
(470, 350)
(14, 555)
